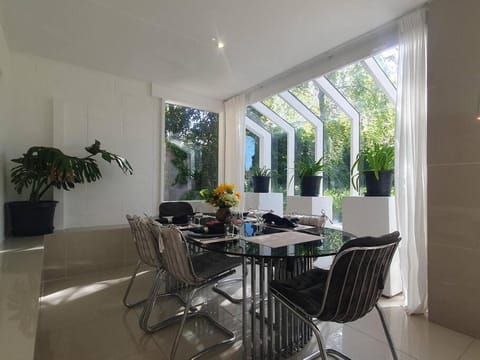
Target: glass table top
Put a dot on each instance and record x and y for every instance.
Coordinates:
(329, 242)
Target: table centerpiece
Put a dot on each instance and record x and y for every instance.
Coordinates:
(223, 197)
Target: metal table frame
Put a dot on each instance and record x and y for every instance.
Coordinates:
(269, 329)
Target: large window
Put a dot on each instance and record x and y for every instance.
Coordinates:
(334, 116)
(191, 138)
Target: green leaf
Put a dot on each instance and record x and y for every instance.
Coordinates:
(42, 167)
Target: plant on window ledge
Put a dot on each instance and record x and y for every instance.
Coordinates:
(309, 172)
(376, 163)
(261, 179)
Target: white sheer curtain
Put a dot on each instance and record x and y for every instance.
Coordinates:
(411, 161)
(235, 142)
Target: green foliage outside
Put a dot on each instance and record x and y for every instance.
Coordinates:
(377, 124)
(196, 130)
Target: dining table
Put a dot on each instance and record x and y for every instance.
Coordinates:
(269, 253)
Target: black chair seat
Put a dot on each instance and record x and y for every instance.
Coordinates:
(210, 264)
(305, 291)
(349, 290)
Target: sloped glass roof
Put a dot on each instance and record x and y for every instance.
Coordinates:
(388, 62)
(334, 115)
(308, 93)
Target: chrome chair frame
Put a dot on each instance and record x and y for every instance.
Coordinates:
(149, 254)
(358, 307)
(179, 264)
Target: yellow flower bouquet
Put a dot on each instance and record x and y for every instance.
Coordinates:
(222, 196)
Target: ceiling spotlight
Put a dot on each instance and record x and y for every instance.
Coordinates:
(477, 116)
(220, 44)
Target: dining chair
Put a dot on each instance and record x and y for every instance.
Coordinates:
(179, 211)
(195, 272)
(349, 290)
(149, 254)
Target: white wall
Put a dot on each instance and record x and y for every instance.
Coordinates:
(4, 115)
(454, 165)
(69, 107)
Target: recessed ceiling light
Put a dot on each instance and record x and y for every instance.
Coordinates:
(218, 43)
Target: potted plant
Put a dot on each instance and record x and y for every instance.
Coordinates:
(376, 164)
(42, 168)
(308, 171)
(261, 179)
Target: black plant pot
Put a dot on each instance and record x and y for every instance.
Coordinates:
(261, 184)
(310, 185)
(28, 218)
(381, 187)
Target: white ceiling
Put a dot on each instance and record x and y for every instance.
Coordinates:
(170, 41)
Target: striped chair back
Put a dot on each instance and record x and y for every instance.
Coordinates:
(176, 256)
(145, 242)
(356, 277)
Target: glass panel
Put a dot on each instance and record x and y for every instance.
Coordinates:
(278, 150)
(279, 162)
(285, 111)
(388, 61)
(304, 131)
(252, 148)
(260, 119)
(308, 94)
(336, 149)
(377, 123)
(191, 137)
(377, 113)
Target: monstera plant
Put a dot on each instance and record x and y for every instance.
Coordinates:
(42, 168)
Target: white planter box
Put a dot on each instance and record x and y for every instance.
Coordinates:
(309, 205)
(265, 201)
(374, 216)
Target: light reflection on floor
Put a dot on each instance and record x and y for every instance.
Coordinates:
(83, 318)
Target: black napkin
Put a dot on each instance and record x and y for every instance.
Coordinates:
(277, 220)
(216, 228)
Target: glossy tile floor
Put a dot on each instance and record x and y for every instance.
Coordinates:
(83, 318)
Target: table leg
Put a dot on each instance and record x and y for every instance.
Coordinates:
(262, 308)
(270, 311)
(245, 340)
(253, 312)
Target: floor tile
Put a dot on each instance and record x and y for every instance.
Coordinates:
(415, 335)
(69, 302)
(106, 338)
(355, 344)
(473, 351)
(84, 318)
(197, 334)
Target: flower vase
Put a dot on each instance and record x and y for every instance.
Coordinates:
(222, 214)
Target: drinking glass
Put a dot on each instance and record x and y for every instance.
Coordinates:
(197, 219)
